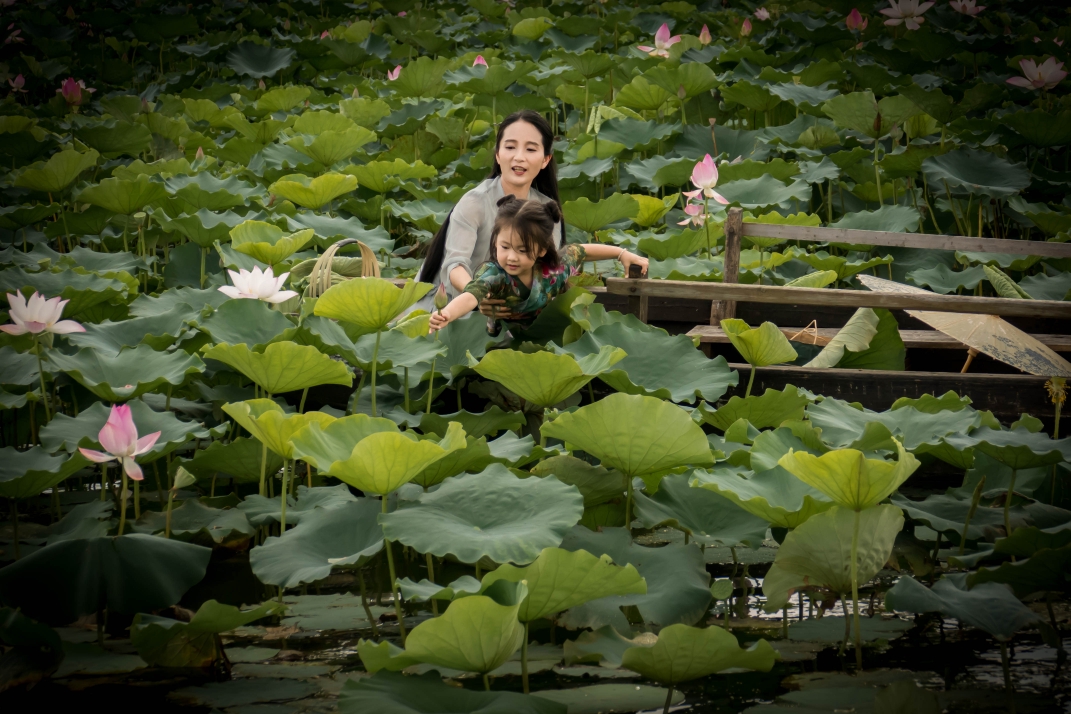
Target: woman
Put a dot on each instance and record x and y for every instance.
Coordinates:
(524, 167)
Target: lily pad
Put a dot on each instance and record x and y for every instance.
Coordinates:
(282, 366)
(590, 216)
(977, 172)
(848, 477)
(310, 502)
(166, 642)
(830, 629)
(427, 694)
(684, 653)
(25, 474)
(198, 523)
(258, 61)
(314, 193)
(544, 378)
(991, 607)
(266, 242)
(133, 372)
(369, 303)
(59, 172)
(771, 409)
(707, 517)
(774, 495)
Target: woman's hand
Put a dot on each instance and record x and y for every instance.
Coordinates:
(439, 320)
(495, 310)
(628, 259)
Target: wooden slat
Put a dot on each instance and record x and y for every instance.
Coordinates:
(841, 298)
(1043, 249)
(913, 339)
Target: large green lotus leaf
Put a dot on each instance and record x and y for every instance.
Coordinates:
(830, 630)
(258, 61)
(476, 456)
(149, 306)
(15, 217)
(331, 228)
(25, 474)
(487, 423)
(323, 444)
(545, 378)
(848, 477)
(590, 216)
(684, 653)
(659, 171)
(819, 552)
(274, 428)
(205, 191)
(1026, 542)
(475, 634)
(656, 364)
(426, 590)
(1016, 449)
(282, 366)
(84, 290)
(383, 176)
(604, 647)
(977, 172)
(1044, 571)
(692, 78)
(423, 77)
(266, 242)
(636, 435)
(59, 172)
(946, 514)
(490, 514)
(861, 112)
(642, 95)
(774, 495)
(396, 693)
(764, 191)
(282, 99)
(898, 219)
(117, 378)
(991, 607)
(116, 138)
(590, 315)
(707, 517)
(855, 336)
(398, 351)
(246, 322)
(596, 484)
(348, 535)
(886, 350)
(158, 332)
(674, 244)
(165, 642)
(1041, 129)
(753, 96)
(678, 586)
(238, 459)
(632, 133)
(489, 80)
(769, 446)
(772, 408)
(330, 147)
(121, 196)
(127, 574)
(310, 503)
(369, 303)
(314, 193)
(69, 433)
(760, 346)
(382, 461)
(259, 133)
(194, 522)
(386, 656)
(560, 579)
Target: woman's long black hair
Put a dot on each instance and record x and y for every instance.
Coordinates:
(546, 182)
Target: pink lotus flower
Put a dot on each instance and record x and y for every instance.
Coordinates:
(393, 74)
(745, 29)
(72, 89)
(705, 177)
(855, 21)
(704, 36)
(17, 84)
(403, 13)
(695, 214)
(38, 315)
(908, 12)
(966, 7)
(479, 61)
(762, 14)
(1046, 76)
(662, 41)
(325, 34)
(257, 285)
(119, 437)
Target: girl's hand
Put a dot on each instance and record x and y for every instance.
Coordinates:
(495, 310)
(628, 259)
(439, 320)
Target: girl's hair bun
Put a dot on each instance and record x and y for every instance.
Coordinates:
(508, 198)
(553, 210)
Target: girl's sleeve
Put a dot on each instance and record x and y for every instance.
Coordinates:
(573, 257)
(484, 283)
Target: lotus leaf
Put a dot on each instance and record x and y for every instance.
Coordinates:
(656, 364)
(764, 191)
(848, 477)
(666, 246)
(314, 193)
(544, 378)
(683, 653)
(258, 61)
(863, 113)
(491, 514)
(596, 484)
(398, 351)
(400, 694)
(25, 474)
(347, 535)
(282, 366)
(977, 171)
(369, 303)
(426, 590)
(899, 219)
(590, 216)
(1044, 571)
(707, 517)
(267, 421)
(126, 574)
(818, 552)
(117, 378)
(476, 456)
(947, 513)
(633, 133)
(831, 629)
(774, 494)
(490, 80)
(604, 646)
(239, 459)
(84, 290)
(475, 634)
(110, 338)
(991, 607)
(267, 242)
(773, 408)
(382, 176)
(760, 346)
(678, 586)
(330, 147)
(855, 336)
(149, 306)
(205, 191)
(1017, 449)
(246, 322)
(487, 423)
(845, 266)
(59, 172)
(310, 502)
(121, 196)
(165, 642)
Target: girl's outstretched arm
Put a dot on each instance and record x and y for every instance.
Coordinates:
(599, 251)
(460, 306)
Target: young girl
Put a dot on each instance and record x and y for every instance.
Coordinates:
(527, 270)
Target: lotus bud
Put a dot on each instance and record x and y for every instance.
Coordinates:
(286, 25)
(441, 299)
(877, 123)
(200, 154)
(855, 20)
(682, 92)
(402, 13)
(356, 93)
(261, 85)
(745, 29)
(479, 61)
(326, 34)
(704, 36)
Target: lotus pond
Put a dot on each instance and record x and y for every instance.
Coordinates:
(302, 502)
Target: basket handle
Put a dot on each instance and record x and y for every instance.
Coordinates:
(320, 277)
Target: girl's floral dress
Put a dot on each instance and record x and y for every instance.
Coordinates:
(492, 281)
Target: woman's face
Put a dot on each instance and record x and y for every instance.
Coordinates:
(520, 156)
(511, 254)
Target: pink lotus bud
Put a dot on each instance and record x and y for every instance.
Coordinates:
(200, 154)
(18, 83)
(326, 34)
(855, 20)
(704, 36)
(745, 29)
(479, 61)
(286, 25)
(440, 300)
(402, 13)
(260, 83)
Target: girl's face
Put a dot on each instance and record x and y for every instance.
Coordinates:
(512, 256)
(520, 157)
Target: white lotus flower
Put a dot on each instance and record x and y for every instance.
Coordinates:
(257, 285)
(38, 315)
(908, 12)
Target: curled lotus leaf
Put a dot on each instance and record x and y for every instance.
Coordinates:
(1017, 449)
(369, 303)
(239, 459)
(117, 378)
(314, 193)
(266, 242)
(991, 607)
(706, 516)
(683, 653)
(25, 474)
(848, 477)
(545, 378)
(282, 366)
(770, 409)
(760, 346)
(195, 522)
(273, 427)
(774, 495)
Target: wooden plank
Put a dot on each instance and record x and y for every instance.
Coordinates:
(734, 222)
(843, 298)
(1044, 249)
(913, 339)
(637, 305)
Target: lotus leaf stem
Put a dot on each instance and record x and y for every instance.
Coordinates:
(669, 699)
(364, 602)
(394, 579)
(375, 357)
(301, 406)
(405, 388)
(263, 467)
(41, 376)
(524, 659)
(15, 526)
(282, 496)
(975, 498)
(122, 503)
(750, 381)
(1007, 503)
(204, 254)
(847, 627)
(855, 593)
(137, 498)
(628, 503)
(1005, 662)
(430, 560)
(167, 522)
(103, 480)
(486, 683)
